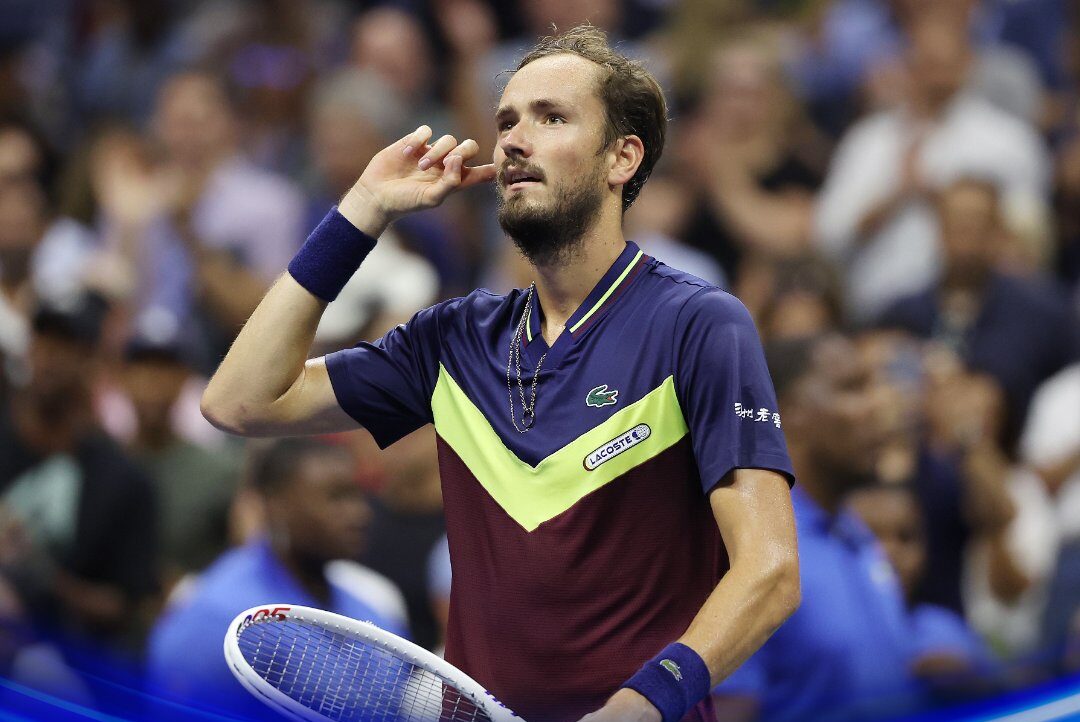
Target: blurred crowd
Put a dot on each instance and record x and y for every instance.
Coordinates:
(898, 177)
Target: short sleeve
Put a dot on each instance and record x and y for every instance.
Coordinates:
(387, 385)
(725, 390)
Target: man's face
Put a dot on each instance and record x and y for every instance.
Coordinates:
(154, 385)
(342, 143)
(842, 414)
(968, 216)
(939, 60)
(62, 371)
(392, 44)
(192, 119)
(552, 174)
(894, 518)
(323, 509)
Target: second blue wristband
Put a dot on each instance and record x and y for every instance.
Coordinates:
(673, 681)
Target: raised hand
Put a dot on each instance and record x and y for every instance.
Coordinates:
(410, 175)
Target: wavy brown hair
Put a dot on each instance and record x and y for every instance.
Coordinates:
(633, 101)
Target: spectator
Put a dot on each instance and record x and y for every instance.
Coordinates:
(273, 67)
(1001, 74)
(86, 513)
(988, 544)
(852, 622)
(1050, 446)
(950, 657)
(1019, 332)
(963, 482)
(800, 298)
(40, 255)
(874, 215)
(755, 189)
(194, 485)
(391, 44)
(654, 222)
(855, 45)
(129, 48)
(407, 522)
(208, 231)
(316, 519)
(25, 658)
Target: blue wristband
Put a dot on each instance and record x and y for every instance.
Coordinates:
(330, 256)
(673, 681)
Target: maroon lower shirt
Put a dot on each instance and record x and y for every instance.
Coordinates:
(553, 621)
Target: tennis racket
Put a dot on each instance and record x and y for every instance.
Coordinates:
(309, 664)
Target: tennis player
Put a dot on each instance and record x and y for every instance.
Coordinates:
(615, 476)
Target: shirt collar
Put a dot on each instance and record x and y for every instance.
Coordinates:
(606, 291)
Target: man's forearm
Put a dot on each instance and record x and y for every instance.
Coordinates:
(266, 359)
(744, 609)
(753, 511)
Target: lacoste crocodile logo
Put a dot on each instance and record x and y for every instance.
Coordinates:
(673, 668)
(600, 396)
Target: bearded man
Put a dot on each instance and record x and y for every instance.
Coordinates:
(615, 476)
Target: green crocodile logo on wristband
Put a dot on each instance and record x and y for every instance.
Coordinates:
(673, 668)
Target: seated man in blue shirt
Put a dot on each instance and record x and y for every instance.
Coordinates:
(950, 657)
(847, 652)
(315, 514)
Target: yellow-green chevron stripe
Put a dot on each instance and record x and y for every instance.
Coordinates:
(532, 495)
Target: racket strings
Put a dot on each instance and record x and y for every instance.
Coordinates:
(348, 680)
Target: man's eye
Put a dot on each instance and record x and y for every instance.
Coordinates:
(556, 119)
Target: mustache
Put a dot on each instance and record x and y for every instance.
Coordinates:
(510, 167)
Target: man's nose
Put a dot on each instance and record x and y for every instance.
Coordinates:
(516, 143)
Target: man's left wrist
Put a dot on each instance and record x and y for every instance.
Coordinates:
(673, 681)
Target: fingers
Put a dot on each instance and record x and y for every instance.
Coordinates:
(453, 157)
(451, 176)
(416, 139)
(477, 175)
(456, 176)
(467, 149)
(438, 151)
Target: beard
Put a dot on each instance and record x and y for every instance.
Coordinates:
(549, 235)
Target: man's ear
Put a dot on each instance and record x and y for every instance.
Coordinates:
(628, 153)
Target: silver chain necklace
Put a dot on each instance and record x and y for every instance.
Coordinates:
(528, 410)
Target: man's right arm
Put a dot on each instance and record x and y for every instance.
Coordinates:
(266, 385)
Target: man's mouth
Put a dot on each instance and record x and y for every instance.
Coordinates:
(518, 178)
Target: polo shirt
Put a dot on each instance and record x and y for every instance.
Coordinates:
(846, 653)
(584, 545)
(184, 653)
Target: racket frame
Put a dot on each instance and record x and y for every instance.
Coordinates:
(362, 631)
